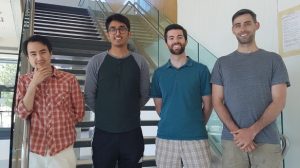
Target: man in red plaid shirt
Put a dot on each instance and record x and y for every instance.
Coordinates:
(53, 102)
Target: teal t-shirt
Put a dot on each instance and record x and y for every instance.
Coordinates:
(181, 90)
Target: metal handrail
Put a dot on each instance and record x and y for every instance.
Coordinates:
(285, 144)
(29, 11)
(107, 5)
(138, 11)
(26, 128)
(32, 14)
(169, 21)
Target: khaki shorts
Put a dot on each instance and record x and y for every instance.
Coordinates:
(264, 156)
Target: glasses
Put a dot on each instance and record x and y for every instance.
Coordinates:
(114, 30)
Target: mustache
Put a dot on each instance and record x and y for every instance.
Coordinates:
(176, 44)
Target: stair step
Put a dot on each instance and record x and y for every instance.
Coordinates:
(56, 15)
(91, 28)
(91, 25)
(64, 30)
(84, 142)
(59, 8)
(80, 81)
(75, 52)
(148, 108)
(85, 124)
(66, 36)
(42, 11)
(79, 44)
(62, 19)
(73, 62)
(74, 71)
(63, 33)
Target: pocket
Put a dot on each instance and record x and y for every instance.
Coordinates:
(61, 99)
(62, 96)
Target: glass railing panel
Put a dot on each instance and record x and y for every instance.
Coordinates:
(191, 49)
(164, 53)
(107, 6)
(206, 57)
(144, 38)
(18, 148)
(149, 12)
(8, 66)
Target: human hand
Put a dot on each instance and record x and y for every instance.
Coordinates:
(243, 138)
(251, 147)
(40, 74)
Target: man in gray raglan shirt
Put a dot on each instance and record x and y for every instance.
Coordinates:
(249, 92)
(116, 87)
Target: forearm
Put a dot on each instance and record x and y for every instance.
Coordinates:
(158, 105)
(273, 110)
(28, 99)
(207, 107)
(225, 116)
(90, 88)
(78, 102)
(144, 84)
(207, 113)
(269, 116)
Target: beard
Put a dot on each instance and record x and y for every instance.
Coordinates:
(177, 51)
(245, 40)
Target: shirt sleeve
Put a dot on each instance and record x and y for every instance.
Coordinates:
(279, 73)
(90, 86)
(77, 101)
(21, 91)
(145, 83)
(155, 89)
(216, 76)
(205, 84)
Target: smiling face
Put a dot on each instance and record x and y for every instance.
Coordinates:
(39, 55)
(176, 41)
(118, 34)
(244, 28)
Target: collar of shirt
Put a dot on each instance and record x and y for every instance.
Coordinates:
(187, 64)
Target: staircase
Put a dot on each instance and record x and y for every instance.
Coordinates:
(75, 40)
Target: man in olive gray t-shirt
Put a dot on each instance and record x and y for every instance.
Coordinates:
(249, 88)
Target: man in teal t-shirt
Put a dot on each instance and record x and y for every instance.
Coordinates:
(182, 95)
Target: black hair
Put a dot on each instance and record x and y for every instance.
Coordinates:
(36, 38)
(117, 17)
(243, 12)
(172, 27)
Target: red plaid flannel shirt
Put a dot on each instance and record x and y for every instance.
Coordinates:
(58, 106)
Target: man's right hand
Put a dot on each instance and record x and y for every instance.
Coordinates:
(40, 74)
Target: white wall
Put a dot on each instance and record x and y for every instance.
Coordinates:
(292, 115)
(210, 23)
